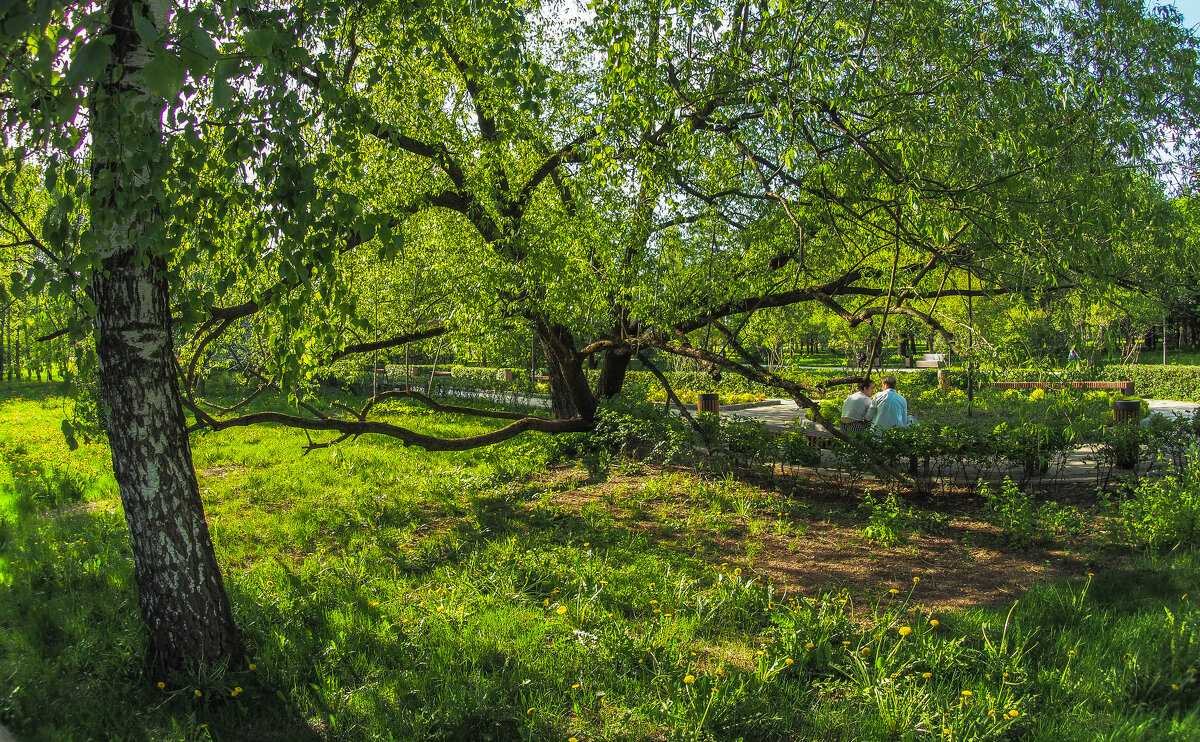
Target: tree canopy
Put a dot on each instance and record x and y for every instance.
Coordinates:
(299, 185)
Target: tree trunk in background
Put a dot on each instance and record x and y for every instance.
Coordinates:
(181, 593)
(570, 394)
(613, 367)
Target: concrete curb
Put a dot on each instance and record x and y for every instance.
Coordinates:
(5, 736)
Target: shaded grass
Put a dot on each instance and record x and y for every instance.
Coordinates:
(388, 593)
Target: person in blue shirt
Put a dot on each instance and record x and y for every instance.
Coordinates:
(891, 408)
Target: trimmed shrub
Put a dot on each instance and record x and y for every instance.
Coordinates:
(1159, 382)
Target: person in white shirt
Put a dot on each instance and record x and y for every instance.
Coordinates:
(858, 409)
(890, 408)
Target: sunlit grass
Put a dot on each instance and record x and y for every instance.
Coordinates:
(389, 593)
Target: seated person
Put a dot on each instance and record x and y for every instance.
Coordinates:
(858, 410)
(891, 408)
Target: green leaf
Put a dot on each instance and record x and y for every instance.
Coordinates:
(164, 75)
(145, 28)
(89, 62)
(222, 92)
(259, 41)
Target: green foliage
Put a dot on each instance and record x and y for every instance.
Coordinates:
(1159, 382)
(887, 521)
(1012, 510)
(459, 588)
(1165, 513)
(637, 430)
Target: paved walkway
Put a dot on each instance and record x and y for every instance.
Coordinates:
(5, 736)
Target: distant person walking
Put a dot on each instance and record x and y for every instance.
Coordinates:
(891, 408)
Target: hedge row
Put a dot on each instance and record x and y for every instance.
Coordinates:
(1159, 382)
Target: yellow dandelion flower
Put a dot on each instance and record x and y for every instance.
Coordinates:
(572, 739)
(546, 603)
(603, 582)
(810, 645)
(561, 610)
(689, 679)
(967, 694)
(905, 630)
(253, 666)
(927, 675)
(198, 693)
(575, 687)
(789, 661)
(916, 579)
(845, 644)
(587, 544)
(894, 591)
(1174, 686)
(737, 570)
(161, 685)
(530, 710)
(1013, 713)
(866, 650)
(933, 623)
(654, 602)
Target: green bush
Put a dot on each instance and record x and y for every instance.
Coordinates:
(1159, 382)
(1165, 513)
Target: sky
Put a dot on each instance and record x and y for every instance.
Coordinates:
(1189, 8)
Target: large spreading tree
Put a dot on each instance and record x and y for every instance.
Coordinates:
(303, 184)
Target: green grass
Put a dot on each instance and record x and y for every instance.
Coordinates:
(1174, 357)
(388, 593)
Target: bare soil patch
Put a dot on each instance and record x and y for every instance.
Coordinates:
(962, 562)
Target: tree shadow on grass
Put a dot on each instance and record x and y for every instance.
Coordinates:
(73, 652)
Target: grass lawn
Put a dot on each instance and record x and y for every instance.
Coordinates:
(393, 594)
(1174, 357)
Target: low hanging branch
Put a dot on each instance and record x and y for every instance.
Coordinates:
(360, 425)
(673, 398)
(798, 393)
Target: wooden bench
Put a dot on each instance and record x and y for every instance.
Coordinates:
(1124, 387)
(930, 360)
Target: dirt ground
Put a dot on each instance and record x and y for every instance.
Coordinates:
(962, 562)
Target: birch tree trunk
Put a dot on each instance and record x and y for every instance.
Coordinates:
(181, 593)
